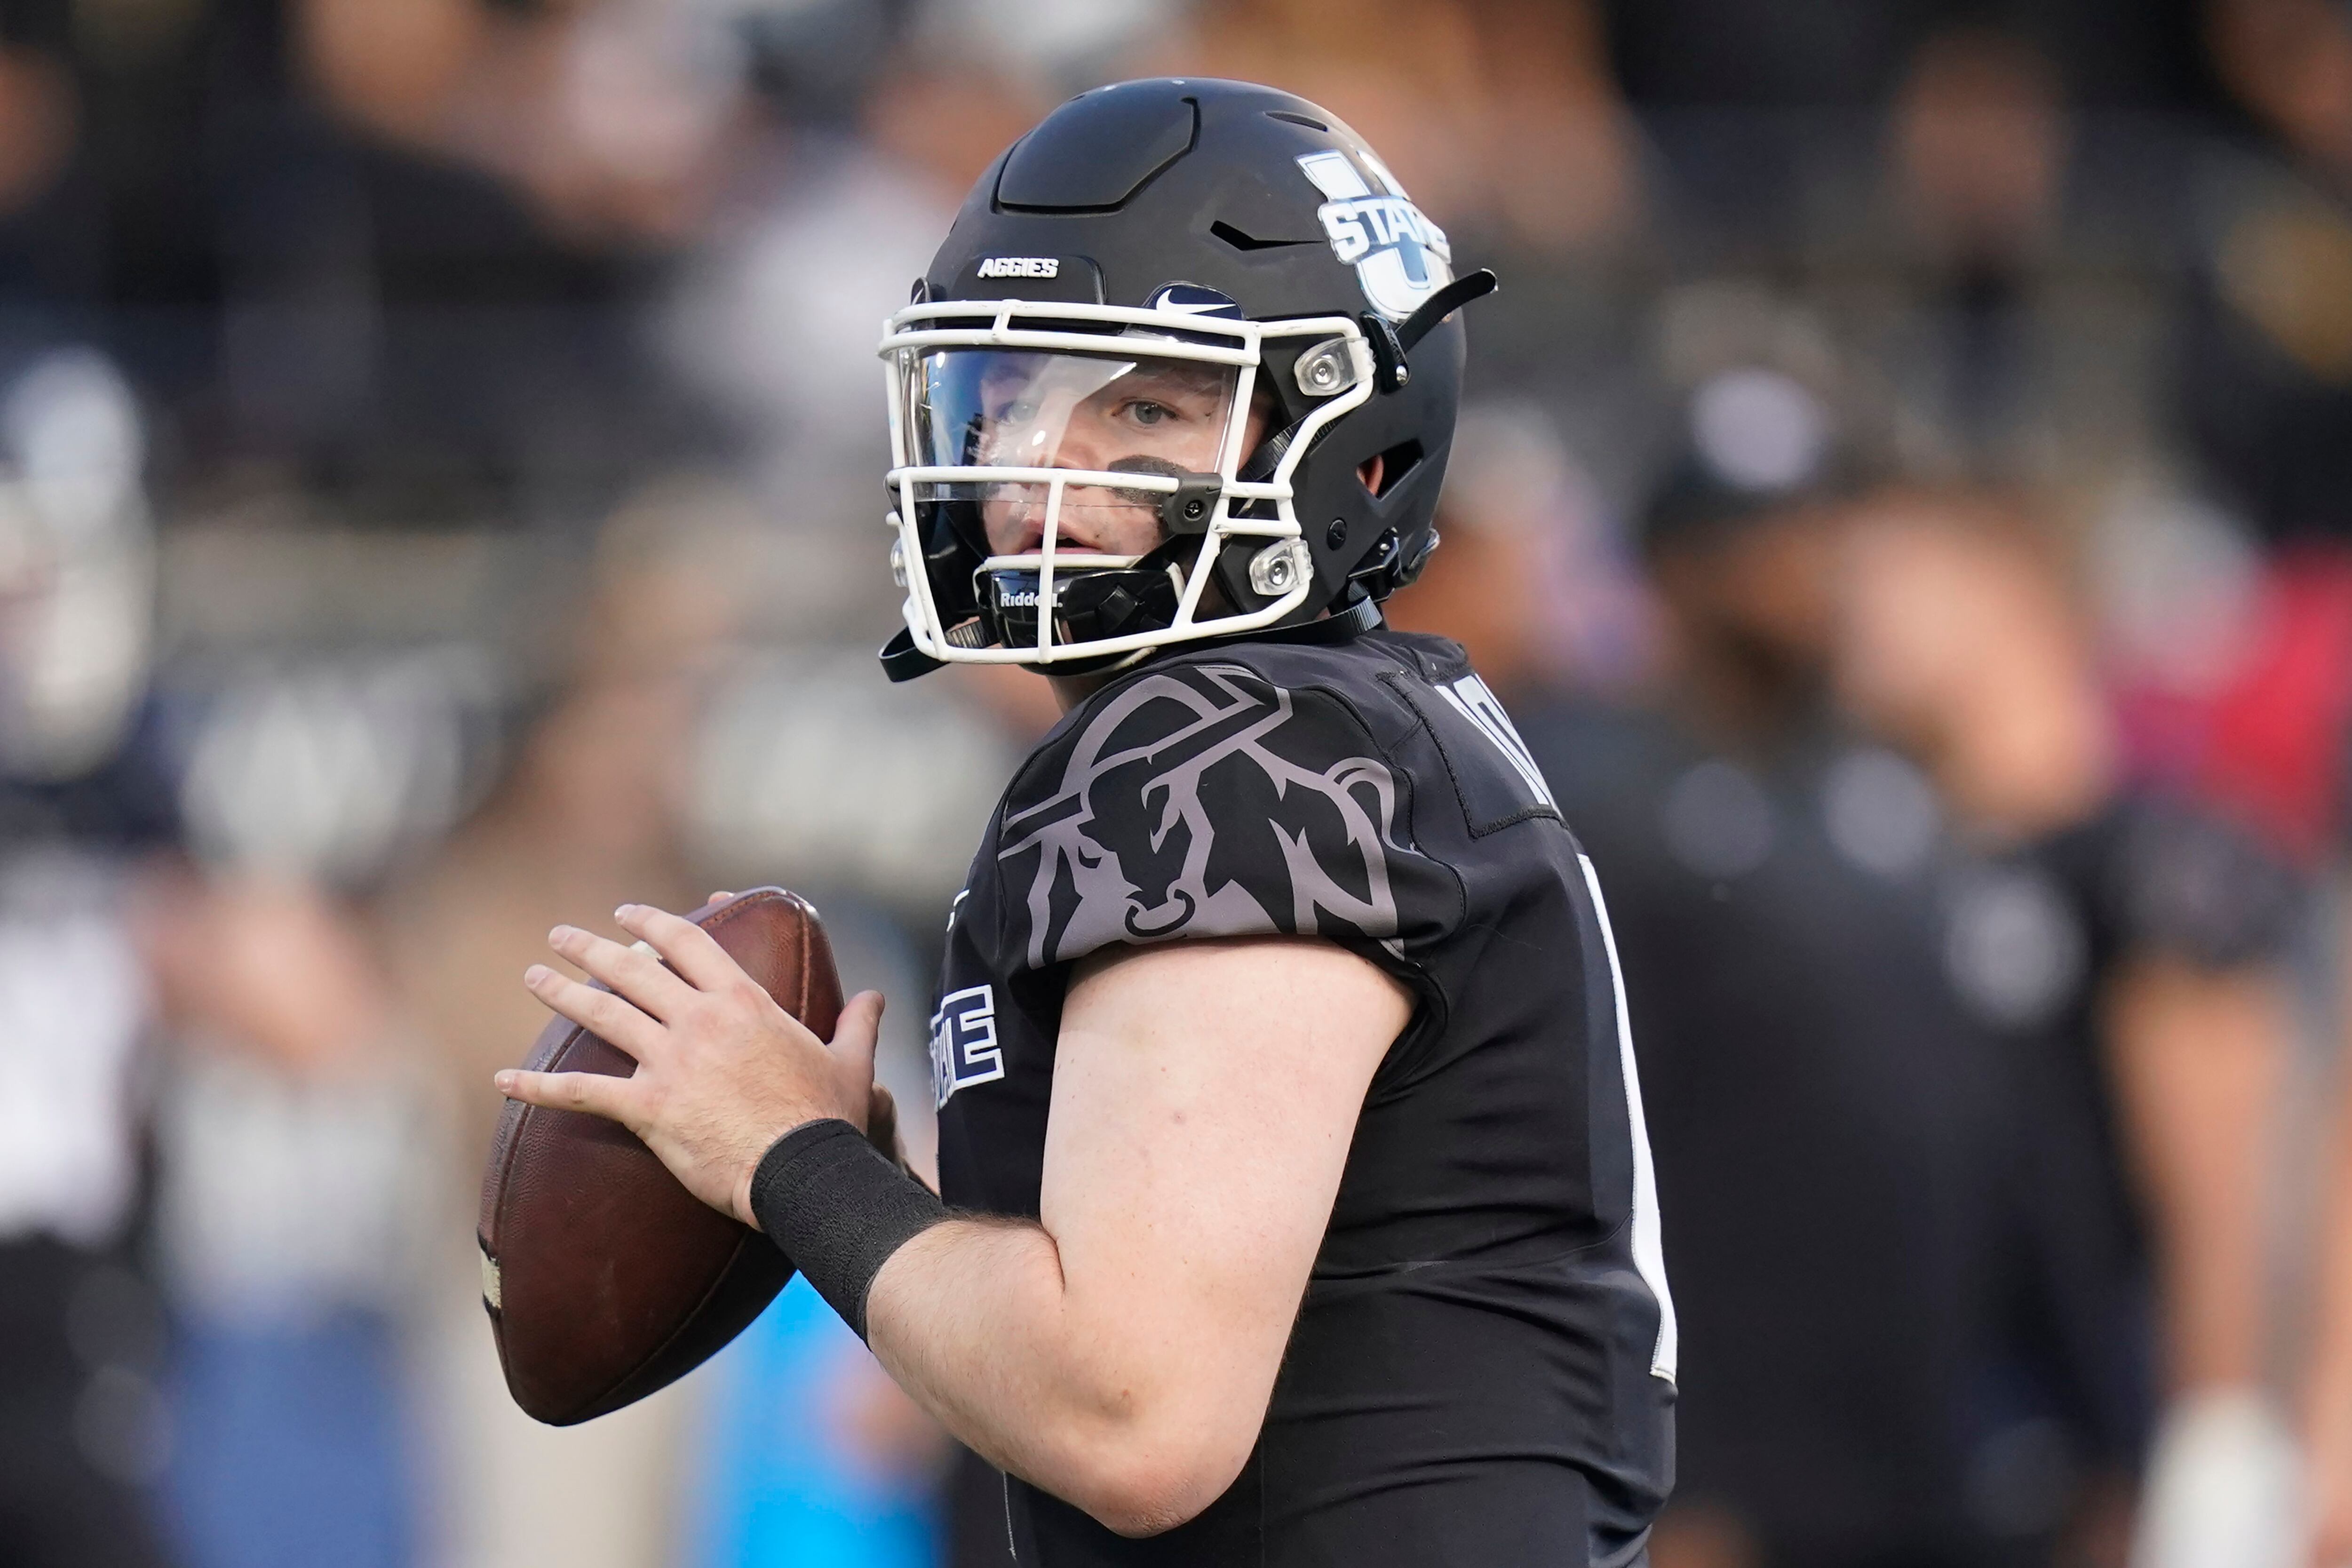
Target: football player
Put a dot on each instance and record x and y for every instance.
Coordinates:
(1298, 1207)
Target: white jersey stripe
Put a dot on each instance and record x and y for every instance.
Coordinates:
(1649, 1242)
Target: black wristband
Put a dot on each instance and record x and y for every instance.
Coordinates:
(838, 1209)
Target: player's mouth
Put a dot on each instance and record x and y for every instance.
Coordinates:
(1076, 534)
(1094, 520)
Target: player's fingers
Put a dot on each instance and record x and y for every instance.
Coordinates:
(691, 950)
(602, 1011)
(636, 973)
(614, 1099)
(854, 1035)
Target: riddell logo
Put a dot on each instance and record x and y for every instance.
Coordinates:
(1021, 266)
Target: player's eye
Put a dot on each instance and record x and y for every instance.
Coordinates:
(1148, 414)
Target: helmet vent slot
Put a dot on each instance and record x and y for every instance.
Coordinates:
(1241, 241)
(1308, 120)
(1397, 462)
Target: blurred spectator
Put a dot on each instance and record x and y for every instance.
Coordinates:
(2265, 390)
(83, 1428)
(778, 315)
(289, 1154)
(613, 117)
(1978, 149)
(2266, 368)
(39, 115)
(2262, 385)
(294, 1121)
(1832, 1151)
(2132, 954)
(2290, 62)
(1979, 156)
(82, 1425)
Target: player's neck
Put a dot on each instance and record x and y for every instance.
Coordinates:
(1070, 690)
(1746, 697)
(2025, 757)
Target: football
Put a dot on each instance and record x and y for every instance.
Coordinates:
(604, 1278)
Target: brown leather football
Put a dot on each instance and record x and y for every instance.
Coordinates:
(605, 1279)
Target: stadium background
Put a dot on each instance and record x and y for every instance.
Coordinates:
(438, 457)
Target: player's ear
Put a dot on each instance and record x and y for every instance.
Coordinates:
(1370, 472)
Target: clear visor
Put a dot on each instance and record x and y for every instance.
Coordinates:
(1083, 414)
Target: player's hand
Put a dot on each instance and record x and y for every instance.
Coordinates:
(881, 1108)
(722, 1071)
(2220, 1486)
(882, 1128)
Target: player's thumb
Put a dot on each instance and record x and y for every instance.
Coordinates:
(854, 1035)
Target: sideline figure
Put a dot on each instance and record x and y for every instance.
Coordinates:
(1298, 1207)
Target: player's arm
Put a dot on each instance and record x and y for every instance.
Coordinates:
(2197, 1054)
(2327, 1389)
(2327, 1412)
(1120, 1353)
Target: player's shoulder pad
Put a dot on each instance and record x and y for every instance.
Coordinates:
(1206, 797)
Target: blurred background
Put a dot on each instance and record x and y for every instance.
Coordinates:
(1905, 499)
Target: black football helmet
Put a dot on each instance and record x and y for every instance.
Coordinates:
(1135, 399)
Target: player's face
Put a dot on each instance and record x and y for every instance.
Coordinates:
(1062, 411)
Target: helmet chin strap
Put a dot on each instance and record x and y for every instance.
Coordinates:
(1269, 455)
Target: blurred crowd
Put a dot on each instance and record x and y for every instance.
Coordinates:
(1905, 502)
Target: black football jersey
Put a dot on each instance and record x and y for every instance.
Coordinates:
(1482, 1369)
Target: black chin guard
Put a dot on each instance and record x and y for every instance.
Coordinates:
(1089, 604)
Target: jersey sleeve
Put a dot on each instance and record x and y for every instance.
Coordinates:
(1202, 800)
(2190, 885)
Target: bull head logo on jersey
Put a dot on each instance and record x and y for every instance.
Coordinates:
(1399, 257)
(1096, 882)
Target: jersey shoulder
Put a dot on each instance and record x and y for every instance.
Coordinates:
(2164, 874)
(1250, 789)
